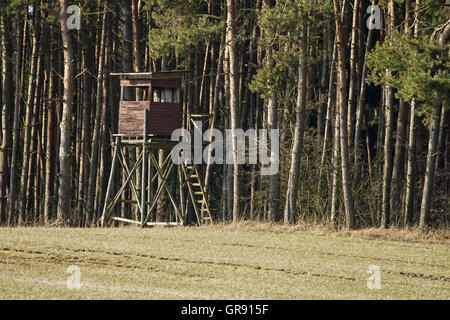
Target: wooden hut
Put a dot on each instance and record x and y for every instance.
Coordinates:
(160, 94)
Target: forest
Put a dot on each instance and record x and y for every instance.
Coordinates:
(359, 91)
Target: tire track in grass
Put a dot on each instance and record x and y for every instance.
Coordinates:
(54, 259)
(161, 258)
(176, 293)
(230, 264)
(420, 276)
(384, 259)
(239, 265)
(246, 245)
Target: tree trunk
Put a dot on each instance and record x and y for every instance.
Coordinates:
(7, 110)
(274, 179)
(399, 157)
(106, 136)
(16, 131)
(342, 102)
(272, 124)
(389, 123)
(335, 165)
(430, 168)
(136, 35)
(33, 173)
(329, 124)
(214, 109)
(352, 81)
(23, 216)
(360, 109)
(51, 142)
(137, 26)
(441, 148)
(64, 191)
(327, 40)
(410, 174)
(387, 159)
(292, 187)
(232, 8)
(93, 166)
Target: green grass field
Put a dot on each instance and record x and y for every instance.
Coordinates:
(216, 263)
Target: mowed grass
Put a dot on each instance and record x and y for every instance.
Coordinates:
(216, 263)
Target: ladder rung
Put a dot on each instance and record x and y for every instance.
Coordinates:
(195, 184)
(198, 193)
(193, 176)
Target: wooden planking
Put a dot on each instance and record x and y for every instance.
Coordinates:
(140, 104)
(148, 223)
(166, 83)
(135, 82)
(168, 75)
(151, 75)
(162, 83)
(131, 116)
(164, 118)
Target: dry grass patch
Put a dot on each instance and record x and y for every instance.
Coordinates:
(438, 236)
(245, 261)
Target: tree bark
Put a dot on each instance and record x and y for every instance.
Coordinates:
(430, 168)
(64, 191)
(93, 166)
(335, 165)
(441, 148)
(51, 142)
(387, 159)
(360, 109)
(231, 42)
(329, 122)
(352, 81)
(410, 174)
(23, 217)
(16, 131)
(7, 106)
(399, 157)
(292, 187)
(214, 108)
(389, 123)
(342, 102)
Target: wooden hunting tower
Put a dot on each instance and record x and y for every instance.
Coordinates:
(147, 118)
(162, 98)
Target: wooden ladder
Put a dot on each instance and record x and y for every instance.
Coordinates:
(197, 193)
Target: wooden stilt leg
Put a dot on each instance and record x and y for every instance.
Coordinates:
(110, 181)
(144, 172)
(180, 183)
